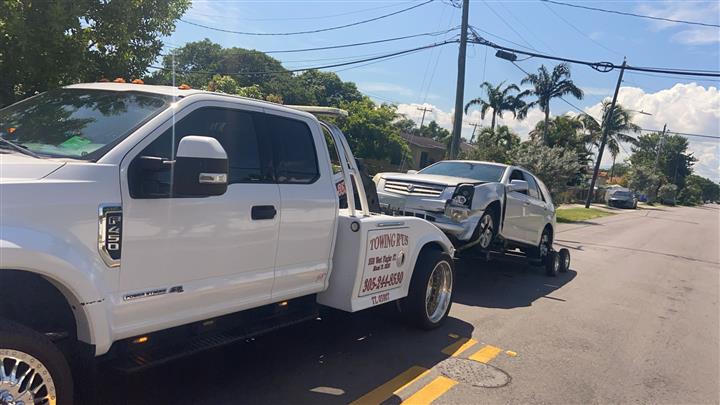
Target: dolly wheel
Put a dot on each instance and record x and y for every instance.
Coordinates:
(564, 260)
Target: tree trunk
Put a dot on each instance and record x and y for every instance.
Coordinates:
(547, 119)
(612, 168)
(492, 123)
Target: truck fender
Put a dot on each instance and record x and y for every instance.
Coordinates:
(431, 236)
(65, 266)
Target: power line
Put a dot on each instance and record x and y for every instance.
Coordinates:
(671, 77)
(508, 25)
(375, 58)
(578, 30)
(322, 17)
(354, 44)
(599, 66)
(309, 31)
(631, 14)
(682, 133)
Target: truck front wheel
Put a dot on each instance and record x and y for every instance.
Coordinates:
(431, 288)
(32, 369)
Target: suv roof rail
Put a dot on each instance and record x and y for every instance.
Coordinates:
(316, 110)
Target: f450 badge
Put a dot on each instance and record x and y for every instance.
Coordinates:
(110, 234)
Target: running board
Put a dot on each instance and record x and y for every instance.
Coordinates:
(168, 346)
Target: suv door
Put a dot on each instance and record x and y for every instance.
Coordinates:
(516, 226)
(203, 255)
(537, 210)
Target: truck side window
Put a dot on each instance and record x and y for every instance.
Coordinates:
(236, 132)
(294, 153)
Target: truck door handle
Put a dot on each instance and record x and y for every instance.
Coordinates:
(263, 212)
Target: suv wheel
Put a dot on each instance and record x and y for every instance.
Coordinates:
(486, 230)
(32, 369)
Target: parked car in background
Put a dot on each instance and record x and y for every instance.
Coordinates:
(622, 199)
(477, 204)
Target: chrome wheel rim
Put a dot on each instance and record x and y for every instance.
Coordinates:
(486, 231)
(439, 291)
(24, 380)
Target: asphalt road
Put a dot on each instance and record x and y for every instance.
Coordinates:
(635, 320)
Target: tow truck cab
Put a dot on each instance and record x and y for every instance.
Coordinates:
(158, 214)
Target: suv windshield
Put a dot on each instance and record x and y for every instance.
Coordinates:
(622, 194)
(77, 123)
(476, 171)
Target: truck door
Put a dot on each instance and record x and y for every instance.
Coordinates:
(199, 255)
(517, 212)
(308, 204)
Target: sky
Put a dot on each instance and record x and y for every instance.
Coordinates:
(428, 78)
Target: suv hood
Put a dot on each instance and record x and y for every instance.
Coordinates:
(430, 179)
(17, 167)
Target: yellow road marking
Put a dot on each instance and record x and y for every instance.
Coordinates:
(458, 347)
(486, 354)
(430, 392)
(511, 353)
(397, 384)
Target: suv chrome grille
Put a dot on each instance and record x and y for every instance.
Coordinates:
(412, 188)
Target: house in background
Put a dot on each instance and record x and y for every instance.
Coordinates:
(423, 152)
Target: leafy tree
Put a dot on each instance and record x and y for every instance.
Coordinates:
(494, 146)
(667, 192)
(709, 190)
(370, 131)
(328, 89)
(554, 166)
(669, 153)
(435, 131)
(547, 86)
(406, 125)
(569, 133)
(44, 45)
(500, 100)
(691, 194)
(645, 179)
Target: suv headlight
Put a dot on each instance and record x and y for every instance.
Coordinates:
(463, 195)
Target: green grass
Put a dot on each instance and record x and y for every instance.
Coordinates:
(579, 214)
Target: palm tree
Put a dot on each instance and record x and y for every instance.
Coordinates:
(500, 100)
(551, 85)
(619, 123)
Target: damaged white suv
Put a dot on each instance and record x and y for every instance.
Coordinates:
(477, 204)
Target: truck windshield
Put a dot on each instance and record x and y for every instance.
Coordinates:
(77, 123)
(476, 171)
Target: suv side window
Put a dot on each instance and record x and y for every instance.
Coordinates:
(235, 130)
(532, 188)
(518, 175)
(294, 154)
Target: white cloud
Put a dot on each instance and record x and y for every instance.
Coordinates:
(381, 87)
(596, 91)
(690, 11)
(689, 108)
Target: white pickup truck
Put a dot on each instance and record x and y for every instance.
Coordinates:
(143, 223)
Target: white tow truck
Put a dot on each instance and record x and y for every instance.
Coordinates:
(139, 224)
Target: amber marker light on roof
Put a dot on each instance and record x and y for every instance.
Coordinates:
(138, 81)
(184, 87)
(119, 80)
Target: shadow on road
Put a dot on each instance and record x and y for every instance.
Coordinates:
(505, 284)
(333, 360)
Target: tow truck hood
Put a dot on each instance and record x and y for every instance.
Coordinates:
(430, 179)
(16, 167)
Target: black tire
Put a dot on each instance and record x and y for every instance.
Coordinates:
(564, 260)
(18, 341)
(414, 305)
(488, 219)
(552, 264)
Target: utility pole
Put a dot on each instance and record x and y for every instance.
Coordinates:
(606, 129)
(660, 141)
(424, 110)
(460, 89)
(474, 125)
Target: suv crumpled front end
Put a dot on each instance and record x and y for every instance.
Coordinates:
(434, 198)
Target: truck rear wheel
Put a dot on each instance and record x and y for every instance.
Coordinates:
(32, 369)
(430, 297)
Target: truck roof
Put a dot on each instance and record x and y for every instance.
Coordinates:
(177, 92)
